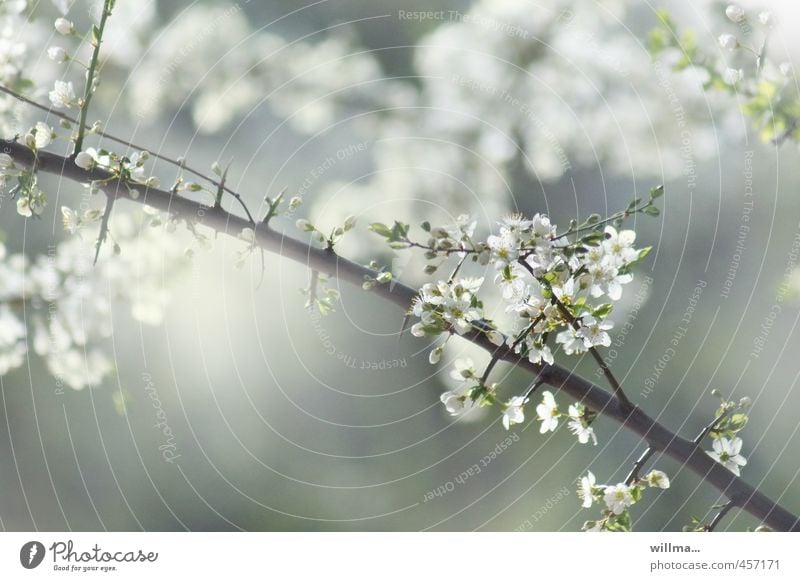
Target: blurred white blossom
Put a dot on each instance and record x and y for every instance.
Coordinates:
(68, 301)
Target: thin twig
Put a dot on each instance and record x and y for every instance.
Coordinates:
(177, 163)
(536, 385)
(710, 427)
(633, 475)
(610, 377)
(101, 237)
(726, 508)
(88, 93)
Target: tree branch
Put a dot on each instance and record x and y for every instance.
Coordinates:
(657, 436)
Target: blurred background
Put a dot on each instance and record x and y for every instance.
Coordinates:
(242, 410)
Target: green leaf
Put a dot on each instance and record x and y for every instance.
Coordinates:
(381, 229)
(593, 239)
(651, 211)
(400, 230)
(656, 192)
(634, 203)
(603, 311)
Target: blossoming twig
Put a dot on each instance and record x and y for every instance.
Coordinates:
(97, 39)
(180, 163)
(601, 362)
(657, 436)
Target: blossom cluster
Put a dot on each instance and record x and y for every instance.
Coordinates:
(558, 287)
(59, 305)
(744, 68)
(726, 445)
(616, 499)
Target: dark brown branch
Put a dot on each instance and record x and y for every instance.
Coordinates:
(657, 436)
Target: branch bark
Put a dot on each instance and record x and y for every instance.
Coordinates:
(657, 436)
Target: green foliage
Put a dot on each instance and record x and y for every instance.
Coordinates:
(773, 103)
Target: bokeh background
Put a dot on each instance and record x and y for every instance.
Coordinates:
(282, 420)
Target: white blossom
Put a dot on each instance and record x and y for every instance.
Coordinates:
(85, 160)
(620, 245)
(547, 413)
(728, 41)
(13, 346)
(618, 497)
(68, 298)
(463, 370)
(578, 425)
(514, 412)
(594, 333)
(7, 166)
(732, 76)
(57, 54)
(735, 13)
(63, 95)
(657, 479)
(449, 304)
(766, 18)
(727, 453)
(539, 353)
(571, 342)
(457, 401)
(44, 135)
(78, 369)
(586, 489)
(64, 26)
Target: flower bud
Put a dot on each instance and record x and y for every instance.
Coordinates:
(64, 26)
(304, 225)
(735, 13)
